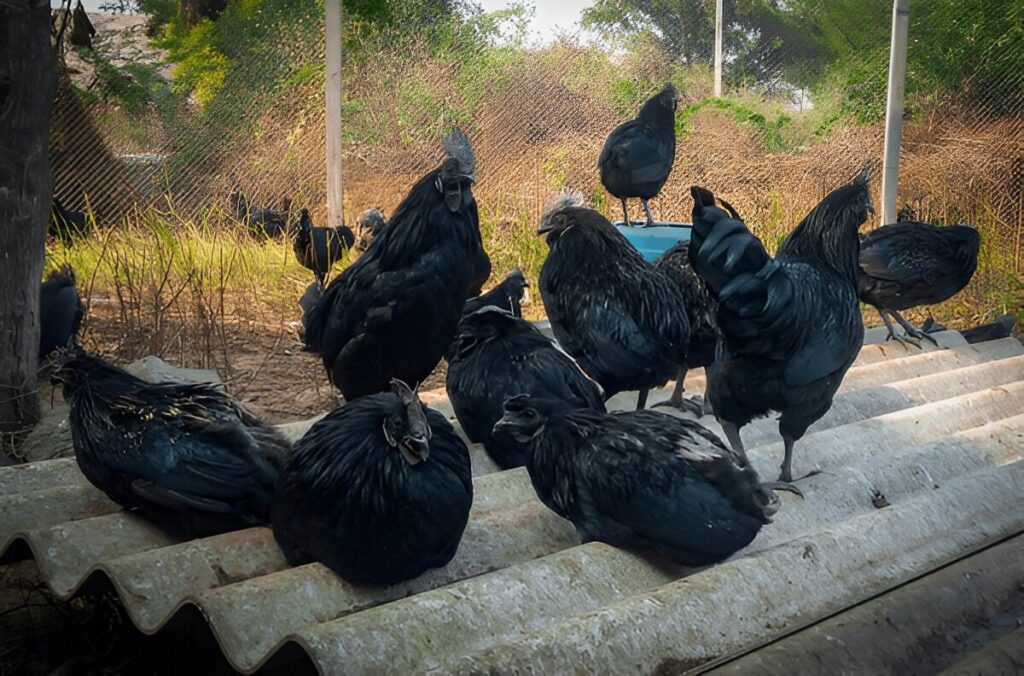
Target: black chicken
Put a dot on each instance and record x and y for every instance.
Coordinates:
(623, 320)
(791, 325)
(379, 491)
(310, 297)
(508, 295)
(368, 224)
(318, 249)
(260, 222)
(904, 265)
(499, 356)
(640, 479)
(186, 454)
(393, 313)
(701, 309)
(66, 224)
(1002, 327)
(60, 311)
(638, 155)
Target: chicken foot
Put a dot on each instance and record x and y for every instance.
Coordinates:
(647, 210)
(913, 330)
(902, 340)
(696, 405)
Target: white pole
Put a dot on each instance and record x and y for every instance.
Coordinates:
(894, 108)
(718, 47)
(333, 10)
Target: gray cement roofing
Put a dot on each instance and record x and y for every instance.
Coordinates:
(938, 432)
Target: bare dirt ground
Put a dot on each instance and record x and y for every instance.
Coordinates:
(262, 365)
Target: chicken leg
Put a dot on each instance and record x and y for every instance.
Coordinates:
(913, 330)
(697, 406)
(641, 399)
(903, 340)
(647, 210)
(625, 212)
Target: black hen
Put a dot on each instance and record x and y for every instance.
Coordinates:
(508, 295)
(791, 325)
(187, 454)
(66, 224)
(640, 479)
(701, 309)
(623, 320)
(60, 312)
(393, 313)
(260, 222)
(379, 491)
(638, 155)
(499, 356)
(905, 265)
(318, 249)
(368, 224)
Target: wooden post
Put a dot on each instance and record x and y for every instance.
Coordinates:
(718, 47)
(335, 203)
(29, 77)
(894, 108)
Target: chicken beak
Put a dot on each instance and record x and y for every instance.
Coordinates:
(415, 449)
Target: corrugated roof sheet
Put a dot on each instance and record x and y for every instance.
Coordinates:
(937, 432)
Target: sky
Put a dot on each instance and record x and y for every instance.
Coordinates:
(550, 16)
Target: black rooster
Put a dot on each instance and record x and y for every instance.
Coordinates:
(379, 491)
(508, 295)
(368, 224)
(904, 265)
(791, 325)
(640, 479)
(623, 320)
(638, 155)
(260, 222)
(187, 454)
(701, 309)
(60, 311)
(499, 356)
(318, 249)
(393, 313)
(66, 224)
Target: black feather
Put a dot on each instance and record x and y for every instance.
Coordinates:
(640, 479)
(318, 249)
(60, 312)
(791, 325)
(637, 157)
(623, 320)
(187, 454)
(350, 499)
(905, 265)
(499, 356)
(393, 313)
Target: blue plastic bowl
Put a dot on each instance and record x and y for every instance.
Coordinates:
(653, 240)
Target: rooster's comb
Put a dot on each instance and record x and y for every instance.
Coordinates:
(458, 147)
(565, 199)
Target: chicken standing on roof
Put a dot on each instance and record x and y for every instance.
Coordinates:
(623, 320)
(909, 264)
(393, 313)
(791, 325)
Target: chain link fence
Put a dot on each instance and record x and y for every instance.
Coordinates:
(538, 117)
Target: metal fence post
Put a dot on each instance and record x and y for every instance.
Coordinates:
(894, 108)
(718, 48)
(333, 17)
